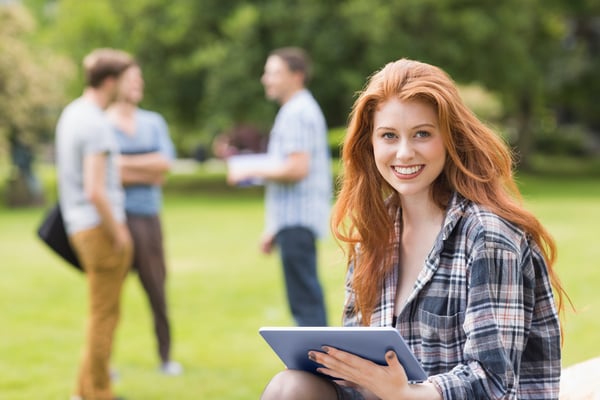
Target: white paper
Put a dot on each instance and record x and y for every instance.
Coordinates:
(244, 162)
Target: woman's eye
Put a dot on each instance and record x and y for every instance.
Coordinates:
(388, 135)
(422, 134)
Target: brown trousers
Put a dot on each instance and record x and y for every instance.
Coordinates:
(149, 262)
(105, 271)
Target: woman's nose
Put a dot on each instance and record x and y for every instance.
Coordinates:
(405, 150)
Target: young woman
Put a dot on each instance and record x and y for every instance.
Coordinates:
(440, 247)
(147, 153)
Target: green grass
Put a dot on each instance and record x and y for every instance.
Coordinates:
(221, 290)
(570, 209)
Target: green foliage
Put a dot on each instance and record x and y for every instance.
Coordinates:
(569, 140)
(30, 79)
(335, 139)
(203, 59)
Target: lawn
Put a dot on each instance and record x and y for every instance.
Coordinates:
(221, 290)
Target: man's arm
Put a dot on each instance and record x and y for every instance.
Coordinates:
(94, 179)
(294, 168)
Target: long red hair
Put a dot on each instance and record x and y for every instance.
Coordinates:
(479, 166)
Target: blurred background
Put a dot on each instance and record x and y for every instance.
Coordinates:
(529, 67)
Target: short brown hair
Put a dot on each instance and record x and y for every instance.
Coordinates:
(105, 63)
(297, 60)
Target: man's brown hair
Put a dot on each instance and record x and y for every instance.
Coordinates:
(297, 60)
(105, 63)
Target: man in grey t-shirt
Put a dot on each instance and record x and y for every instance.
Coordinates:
(91, 201)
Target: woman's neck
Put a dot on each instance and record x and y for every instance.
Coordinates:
(122, 108)
(122, 114)
(416, 212)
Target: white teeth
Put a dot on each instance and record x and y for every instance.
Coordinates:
(407, 170)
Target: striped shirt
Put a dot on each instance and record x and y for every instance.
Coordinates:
(300, 127)
(481, 317)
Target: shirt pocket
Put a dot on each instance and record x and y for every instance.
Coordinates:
(442, 338)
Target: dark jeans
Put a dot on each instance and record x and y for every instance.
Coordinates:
(149, 262)
(298, 252)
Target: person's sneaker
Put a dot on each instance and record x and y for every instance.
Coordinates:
(172, 368)
(114, 375)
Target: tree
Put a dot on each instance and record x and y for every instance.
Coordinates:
(507, 47)
(202, 60)
(30, 96)
(577, 69)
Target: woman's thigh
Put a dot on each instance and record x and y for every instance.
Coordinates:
(300, 385)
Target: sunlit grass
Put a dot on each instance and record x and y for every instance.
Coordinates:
(221, 290)
(569, 207)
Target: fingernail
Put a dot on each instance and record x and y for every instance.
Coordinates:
(325, 349)
(311, 355)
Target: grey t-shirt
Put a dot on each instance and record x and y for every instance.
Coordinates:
(82, 130)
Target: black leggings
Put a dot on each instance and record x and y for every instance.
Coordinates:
(346, 393)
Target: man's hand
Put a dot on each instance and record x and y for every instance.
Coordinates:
(121, 238)
(267, 243)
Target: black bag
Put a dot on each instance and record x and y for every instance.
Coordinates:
(52, 232)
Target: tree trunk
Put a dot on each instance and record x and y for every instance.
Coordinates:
(23, 187)
(525, 133)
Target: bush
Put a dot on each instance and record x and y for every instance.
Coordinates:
(335, 138)
(565, 140)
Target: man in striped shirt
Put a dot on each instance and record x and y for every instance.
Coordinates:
(299, 185)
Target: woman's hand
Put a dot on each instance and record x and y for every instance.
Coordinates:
(380, 381)
(375, 382)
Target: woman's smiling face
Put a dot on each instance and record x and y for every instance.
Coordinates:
(408, 146)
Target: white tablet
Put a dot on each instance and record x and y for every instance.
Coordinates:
(292, 345)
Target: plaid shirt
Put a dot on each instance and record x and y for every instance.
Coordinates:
(481, 317)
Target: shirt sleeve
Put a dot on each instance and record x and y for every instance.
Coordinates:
(98, 138)
(300, 133)
(498, 327)
(165, 144)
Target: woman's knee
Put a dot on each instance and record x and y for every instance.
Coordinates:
(298, 385)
